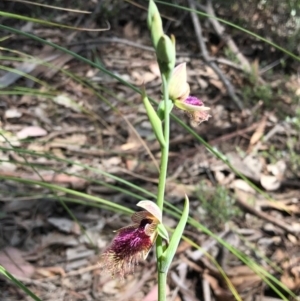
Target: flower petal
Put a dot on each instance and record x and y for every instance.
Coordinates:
(178, 86)
(137, 217)
(135, 226)
(191, 104)
(152, 208)
(146, 251)
(150, 228)
(198, 117)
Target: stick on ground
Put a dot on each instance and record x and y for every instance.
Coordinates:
(208, 60)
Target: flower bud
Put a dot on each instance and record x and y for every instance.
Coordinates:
(166, 56)
(154, 23)
(154, 119)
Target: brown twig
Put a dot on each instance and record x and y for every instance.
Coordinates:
(207, 59)
(183, 287)
(206, 290)
(267, 217)
(229, 41)
(234, 134)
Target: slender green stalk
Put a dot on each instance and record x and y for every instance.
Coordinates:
(165, 148)
(72, 53)
(68, 191)
(162, 276)
(4, 272)
(162, 284)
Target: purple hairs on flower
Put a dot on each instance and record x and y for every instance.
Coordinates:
(194, 101)
(130, 245)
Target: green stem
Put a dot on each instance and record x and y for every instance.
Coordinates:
(4, 272)
(162, 277)
(165, 148)
(162, 284)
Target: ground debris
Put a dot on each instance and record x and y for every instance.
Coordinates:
(75, 126)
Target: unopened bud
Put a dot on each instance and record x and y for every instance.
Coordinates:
(154, 23)
(154, 119)
(166, 56)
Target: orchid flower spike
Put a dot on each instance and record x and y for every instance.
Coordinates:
(179, 91)
(134, 242)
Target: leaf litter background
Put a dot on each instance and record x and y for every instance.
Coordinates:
(40, 242)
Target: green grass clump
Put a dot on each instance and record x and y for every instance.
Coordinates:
(217, 206)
